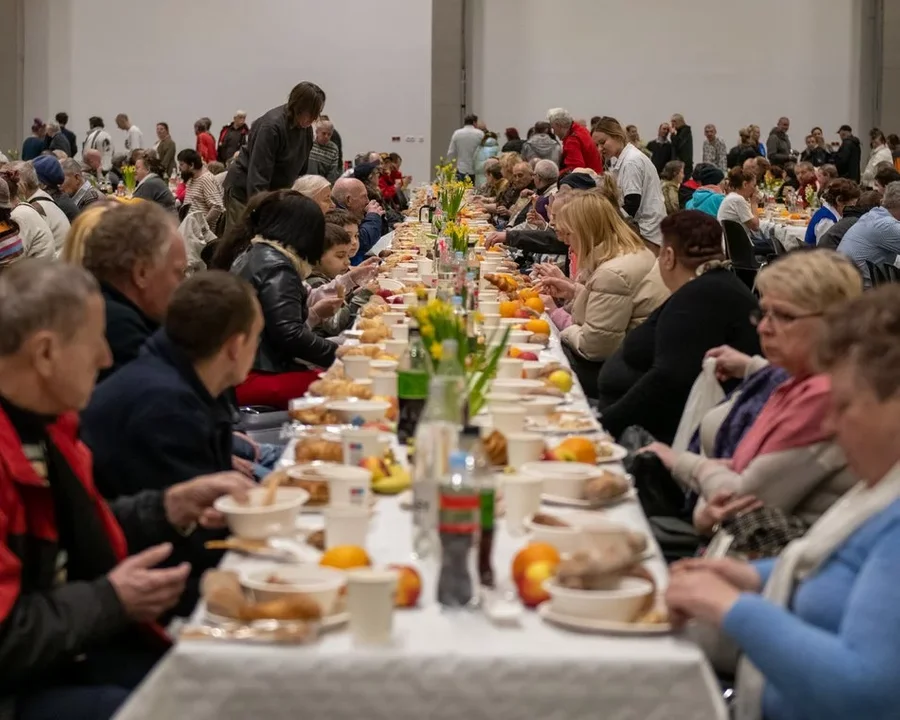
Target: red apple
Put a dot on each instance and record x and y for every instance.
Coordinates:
(409, 586)
(384, 293)
(527, 356)
(396, 300)
(531, 587)
(522, 313)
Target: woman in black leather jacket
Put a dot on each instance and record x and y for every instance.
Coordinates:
(282, 235)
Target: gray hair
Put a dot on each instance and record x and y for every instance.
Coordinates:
(324, 125)
(71, 167)
(309, 185)
(28, 179)
(41, 294)
(891, 199)
(559, 116)
(52, 128)
(546, 170)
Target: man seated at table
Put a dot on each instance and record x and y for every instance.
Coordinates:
(875, 238)
(77, 615)
(350, 194)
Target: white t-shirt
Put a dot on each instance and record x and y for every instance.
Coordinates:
(636, 175)
(99, 139)
(56, 218)
(134, 138)
(735, 207)
(34, 231)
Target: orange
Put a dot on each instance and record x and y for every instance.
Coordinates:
(345, 557)
(527, 294)
(535, 304)
(538, 327)
(580, 448)
(514, 352)
(533, 553)
(508, 308)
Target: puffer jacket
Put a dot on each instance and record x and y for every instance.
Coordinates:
(619, 295)
(542, 147)
(276, 275)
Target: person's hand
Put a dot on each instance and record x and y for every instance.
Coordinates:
(495, 238)
(364, 272)
(502, 212)
(398, 183)
(723, 505)
(146, 592)
(533, 217)
(730, 363)
(253, 445)
(700, 594)
(245, 467)
(191, 502)
(374, 207)
(526, 193)
(737, 572)
(327, 306)
(490, 208)
(549, 303)
(666, 454)
(558, 287)
(407, 179)
(548, 270)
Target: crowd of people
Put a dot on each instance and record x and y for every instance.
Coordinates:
(120, 377)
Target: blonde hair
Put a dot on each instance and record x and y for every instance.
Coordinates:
(815, 280)
(598, 231)
(508, 161)
(81, 230)
(608, 188)
(310, 185)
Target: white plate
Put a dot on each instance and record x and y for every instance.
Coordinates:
(386, 283)
(618, 454)
(540, 423)
(601, 626)
(328, 622)
(587, 504)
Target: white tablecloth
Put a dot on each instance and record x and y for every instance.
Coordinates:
(791, 237)
(442, 665)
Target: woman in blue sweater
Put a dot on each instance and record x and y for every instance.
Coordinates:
(837, 195)
(819, 627)
(35, 144)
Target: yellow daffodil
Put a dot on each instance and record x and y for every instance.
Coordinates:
(436, 351)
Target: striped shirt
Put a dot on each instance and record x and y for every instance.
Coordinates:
(204, 195)
(324, 160)
(11, 247)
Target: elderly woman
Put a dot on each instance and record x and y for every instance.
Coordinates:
(34, 232)
(317, 189)
(672, 176)
(786, 460)
(148, 172)
(31, 192)
(819, 627)
(839, 194)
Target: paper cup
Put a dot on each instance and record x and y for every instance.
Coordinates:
(393, 318)
(508, 419)
(346, 525)
(489, 295)
(361, 443)
(490, 321)
(432, 292)
(429, 280)
(356, 366)
(425, 267)
(398, 272)
(370, 602)
(523, 447)
(489, 307)
(397, 348)
(509, 368)
(411, 300)
(521, 500)
(400, 332)
(347, 486)
(384, 384)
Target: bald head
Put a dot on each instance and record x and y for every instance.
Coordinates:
(350, 193)
(93, 159)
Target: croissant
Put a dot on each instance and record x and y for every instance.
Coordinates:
(604, 487)
(312, 449)
(375, 335)
(291, 607)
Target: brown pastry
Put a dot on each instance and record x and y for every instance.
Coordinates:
(369, 323)
(605, 486)
(548, 520)
(223, 594)
(317, 415)
(371, 351)
(317, 489)
(495, 448)
(290, 607)
(311, 449)
(316, 539)
(375, 335)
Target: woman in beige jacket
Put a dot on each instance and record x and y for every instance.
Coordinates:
(622, 284)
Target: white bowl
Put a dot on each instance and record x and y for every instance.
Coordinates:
(502, 399)
(513, 321)
(386, 283)
(620, 603)
(322, 584)
(393, 318)
(564, 539)
(255, 521)
(368, 410)
(304, 403)
(520, 337)
(510, 385)
(584, 528)
(562, 479)
(540, 404)
(532, 369)
(383, 366)
(528, 347)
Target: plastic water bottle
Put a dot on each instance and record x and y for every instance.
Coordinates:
(459, 524)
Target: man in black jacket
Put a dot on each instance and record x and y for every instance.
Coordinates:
(233, 137)
(847, 156)
(78, 616)
(683, 143)
(276, 152)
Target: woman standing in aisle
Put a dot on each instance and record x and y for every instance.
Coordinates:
(34, 144)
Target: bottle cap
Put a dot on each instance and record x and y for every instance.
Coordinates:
(456, 300)
(458, 460)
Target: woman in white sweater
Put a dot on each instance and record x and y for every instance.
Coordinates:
(37, 239)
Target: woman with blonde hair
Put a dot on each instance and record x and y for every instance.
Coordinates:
(87, 220)
(316, 188)
(619, 291)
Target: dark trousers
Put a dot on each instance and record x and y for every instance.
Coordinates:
(462, 176)
(586, 370)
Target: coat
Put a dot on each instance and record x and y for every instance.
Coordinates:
(127, 329)
(619, 295)
(579, 151)
(847, 158)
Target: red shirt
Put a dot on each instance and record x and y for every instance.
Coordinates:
(206, 146)
(579, 151)
(387, 187)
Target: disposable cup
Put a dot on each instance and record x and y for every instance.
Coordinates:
(346, 525)
(508, 419)
(370, 602)
(523, 447)
(521, 500)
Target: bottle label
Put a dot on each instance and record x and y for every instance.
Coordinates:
(459, 514)
(487, 509)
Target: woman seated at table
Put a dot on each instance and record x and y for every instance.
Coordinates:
(736, 205)
(619, 290)
(787, 460)
(316, 188)
(835, 198)
(819, 627)
(647, 381)
(282, 233)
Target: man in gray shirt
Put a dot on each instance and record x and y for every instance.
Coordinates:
(875, 238)
(463, 146)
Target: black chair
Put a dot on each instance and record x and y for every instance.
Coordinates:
(739, 249)
(879, 274)
(890, 272)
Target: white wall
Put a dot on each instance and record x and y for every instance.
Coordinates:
(729, 63)
(176, 61)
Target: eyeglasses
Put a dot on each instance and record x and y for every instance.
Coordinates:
(778, 317)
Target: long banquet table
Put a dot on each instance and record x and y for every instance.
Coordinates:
(442, 665)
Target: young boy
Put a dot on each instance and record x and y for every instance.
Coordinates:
(343, 219)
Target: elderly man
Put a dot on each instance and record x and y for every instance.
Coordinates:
(464, 145)
(92, 167)
(32, 189)
(875, 238)
(76, 186)
(350, 194)
(233, 137)
(524, 212)
(137, 255)
(324, 156)
(578, 149)
(683, 143)
(715, 152)
(522, 180)
(77, 614)
(778, 146)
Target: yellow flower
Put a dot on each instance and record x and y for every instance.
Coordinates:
(436, 351)
(426, 330)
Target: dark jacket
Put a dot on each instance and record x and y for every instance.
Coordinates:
(778, 147)
(156, 189)
(739, 154)
(370, 232)
(127, 329)
(66, 204)
(660, 154)
(847, 158)
(347, 314)
(832, 237)
(818, 156)
(231, 140)
(513, 146)
(166, 152)
(60, 142)
(273, 274)
(336, 139)
(275, 155)
(70, 136)
(683, 148)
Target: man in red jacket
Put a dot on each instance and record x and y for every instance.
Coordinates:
(80, 589)
(578, 149)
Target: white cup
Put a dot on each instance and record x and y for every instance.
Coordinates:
(410, 299)
(356, 366)
(399, 332)
(429, 280)
(489, 307)
(432, 292)
(346, 525)
(490, 321)
(521, 500)
(393, 318)
(532, 369)
(359, 443)
(397, 348)
(370, 602)
(508, 419)
(384, 384)
(347, 486)
(398, 272)
(425, 266)
(489, 295)
(510, 368)
(523, 447)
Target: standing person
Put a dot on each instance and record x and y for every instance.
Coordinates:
(578, 148)
(62, 119)
(134, 138)
(778, 146)
(636, 177)
(324, 156)
(206, 143)
(683, 143)
(513, 142)
(57, 141)
(36, 143)
(165, 149)
(745, 150)
(661, 148)
(277, 150)
(634, 137)
(99, 139)
(880, 153)
(714, 150)
(814, 154)
(755, 133)
(233, 137)
(463, 146)
(848, 154)
(151, 185)
(203, 193)
(541, 145)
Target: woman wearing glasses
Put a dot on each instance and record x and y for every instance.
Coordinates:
(787, 459)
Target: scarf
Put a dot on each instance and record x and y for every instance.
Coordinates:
(802, 558)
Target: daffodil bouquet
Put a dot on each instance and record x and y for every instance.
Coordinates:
(129, 178)
(451, 197)
(811, 197)
(438, 322)
(446, 172)
(458, 235)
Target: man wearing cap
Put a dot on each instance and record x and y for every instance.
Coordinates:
(233, 137)
(51, 177)
(848, 154)
(31, 189)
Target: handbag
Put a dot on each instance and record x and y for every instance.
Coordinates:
(658, 492)
(760, 533)
(705, 394)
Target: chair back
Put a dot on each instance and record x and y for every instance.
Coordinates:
(738, 246)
